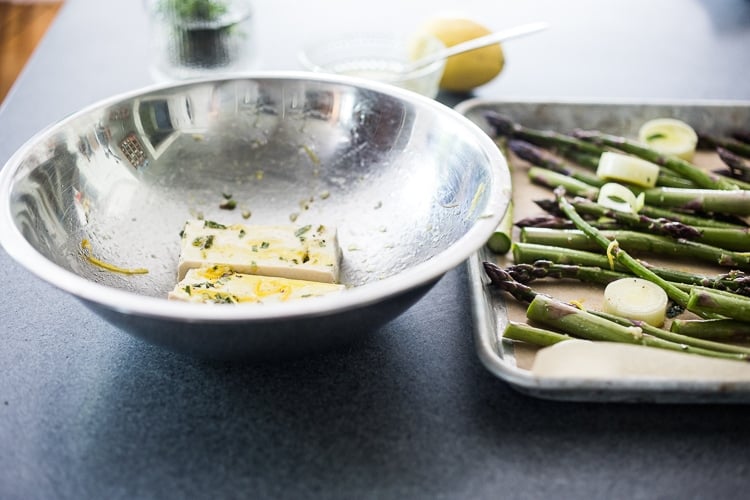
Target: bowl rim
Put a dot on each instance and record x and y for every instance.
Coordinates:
(423, 274)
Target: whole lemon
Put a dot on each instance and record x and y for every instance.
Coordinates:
(464, 72)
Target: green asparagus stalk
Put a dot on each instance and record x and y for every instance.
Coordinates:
(738, 166)
(580, 323)
(501, 240)
(655, 212)
(677, 165)
(544, 159)
(736, 202)
(707, 303)
(714, 329)
(541, 158)
(529, 253)
(551, 180)
(554, 222)
(732, 239)
(719, 302)
(669, 179)
(728, 143)
(689, 219)
(593, 325)
(639, 242)
(532, 335)
(569, 319)
(616, 253)
(540, 269)
(505, 126)
(503, 281)
(737, 239)
(705, 200)
(672, 336)
(545, 220)
(658, 226)
(526, 273)
(586, 160)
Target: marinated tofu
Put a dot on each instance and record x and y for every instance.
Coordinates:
(307, 253)
(219, 284)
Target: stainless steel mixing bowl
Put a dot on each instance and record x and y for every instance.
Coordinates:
(413, 187)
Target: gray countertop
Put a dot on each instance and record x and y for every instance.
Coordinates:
(87, 411)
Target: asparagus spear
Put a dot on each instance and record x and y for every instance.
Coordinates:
(615, 253)
(543, 158)
(727, 143)
(501, 240)
(656, 212)
(526, 273)
(738, 166)
(545, 220)
(679, 166)
(580, 323)
(735, 201)
(550, 179)
(659, 226)
(585, 160)
(640, 242)
(719, 302)
(674, 336)
(532, 335)
(505, 126)
(690, 219)
(529, 253)
(737, 239)
(707, 303)
(716, 329)
(554, 222)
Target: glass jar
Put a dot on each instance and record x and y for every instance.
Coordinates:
(196, 38)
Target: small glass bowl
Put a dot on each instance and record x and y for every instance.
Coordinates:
(378, 57)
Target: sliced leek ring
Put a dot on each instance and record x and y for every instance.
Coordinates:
(636, 299)
(669, 136)
(625, 168)
(618, 197)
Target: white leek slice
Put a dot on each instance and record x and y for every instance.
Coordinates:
(636, 299)
(626, 168)
(620, 198)
(669, 136)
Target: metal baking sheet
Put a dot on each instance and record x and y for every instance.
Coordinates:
(510, 361)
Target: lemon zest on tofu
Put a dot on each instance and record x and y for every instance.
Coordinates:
(266, 288)
(215, 272)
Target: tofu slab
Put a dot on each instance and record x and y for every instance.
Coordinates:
(221, 285)
(309, 253)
